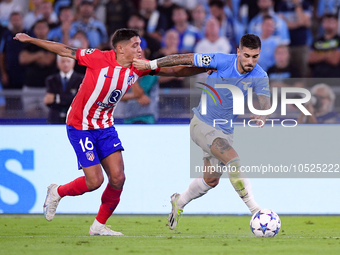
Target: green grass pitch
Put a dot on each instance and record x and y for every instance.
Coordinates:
(68, 234)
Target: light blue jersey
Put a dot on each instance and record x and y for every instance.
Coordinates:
(221, 106)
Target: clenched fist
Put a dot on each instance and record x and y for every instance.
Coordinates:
(141, 64)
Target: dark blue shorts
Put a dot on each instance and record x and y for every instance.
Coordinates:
(91, 146)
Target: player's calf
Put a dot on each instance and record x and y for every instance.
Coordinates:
(241, 184)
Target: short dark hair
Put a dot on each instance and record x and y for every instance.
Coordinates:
(330, 16)
(45, 21)
(123, 34)
(250, 41)
(137, 15)
(65, 7)
(15, 13)
(89, 2)
(265, 17)
(178, 7)
(218, 3)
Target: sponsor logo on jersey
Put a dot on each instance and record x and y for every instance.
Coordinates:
(131, 80)
(206, 59)
(90, 155)
(104, 105)
(115, 96)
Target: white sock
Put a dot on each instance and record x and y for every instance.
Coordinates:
(96, 224)
(242, 185)
(249, 198)
(197, 188)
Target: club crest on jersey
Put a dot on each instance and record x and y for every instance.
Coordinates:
(131, 80)
(245, 85)
(90, 155)
(89, 51)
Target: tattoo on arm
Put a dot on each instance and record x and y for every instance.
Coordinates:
(73, 50)
(221, 145)
(264, 103)
(147, 65)
(177, 59)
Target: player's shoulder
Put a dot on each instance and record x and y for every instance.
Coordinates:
(224, 57)
(258, 72)
(97, 53)
(89, 51)
(108, 53)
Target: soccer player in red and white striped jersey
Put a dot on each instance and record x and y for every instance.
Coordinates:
(90, 119)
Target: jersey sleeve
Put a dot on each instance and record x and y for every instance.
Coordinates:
(210, 60)
(261, 87)
(92, 58)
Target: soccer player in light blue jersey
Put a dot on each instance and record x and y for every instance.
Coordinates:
(242, 71)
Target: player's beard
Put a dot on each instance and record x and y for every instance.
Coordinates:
(247, 70)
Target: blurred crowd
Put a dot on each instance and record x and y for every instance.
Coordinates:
(300, 38)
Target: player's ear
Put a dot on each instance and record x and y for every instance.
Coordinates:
(119, 48)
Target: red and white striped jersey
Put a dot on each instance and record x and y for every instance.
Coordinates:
(104, 84)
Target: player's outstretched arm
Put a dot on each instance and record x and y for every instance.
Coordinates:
(171, 60)
(264, 105)
(182, 71)
(58, 48)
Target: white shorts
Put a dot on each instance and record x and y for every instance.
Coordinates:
(204, 135)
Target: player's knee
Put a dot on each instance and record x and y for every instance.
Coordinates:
(95, 183)
(212, 182)
(117, 181)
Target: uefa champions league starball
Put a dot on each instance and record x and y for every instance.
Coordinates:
(265, 223)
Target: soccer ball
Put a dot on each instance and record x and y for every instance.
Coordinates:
(265, 223)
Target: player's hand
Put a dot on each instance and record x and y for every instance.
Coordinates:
(141, 64)
(210, 71)
(259, 120)
(144, 100)
(22, 37)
